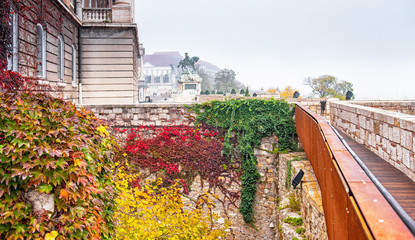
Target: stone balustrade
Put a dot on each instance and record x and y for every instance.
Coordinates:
(97, 15)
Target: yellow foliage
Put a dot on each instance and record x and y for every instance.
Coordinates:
(272, 90)
(288, 92)
(156, 212)
(51, 236)
(103, 130)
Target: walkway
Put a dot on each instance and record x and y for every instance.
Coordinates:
(401, 187)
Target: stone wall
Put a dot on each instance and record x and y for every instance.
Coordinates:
(391, 135)
(163, 114)
(272, 194)
(308, 196)
(265, 207)
(126, 116)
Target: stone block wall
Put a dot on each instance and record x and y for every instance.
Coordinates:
(271, 187)
(389, 134)
(126, 116)
(308, 194)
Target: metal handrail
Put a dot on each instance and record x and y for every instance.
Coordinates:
(409, 222)
(347, 190)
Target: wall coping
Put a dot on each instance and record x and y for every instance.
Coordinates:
(354, 107)
(135, 105)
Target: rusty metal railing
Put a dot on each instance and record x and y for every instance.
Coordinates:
(353, 206)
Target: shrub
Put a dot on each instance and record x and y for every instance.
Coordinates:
(300, 230)
(48, 146)
(233, 91)
(207, 92)
(293, 204)
(242, 91)
(180, 153)
(151, 211)
(247, 92)
(294, 221)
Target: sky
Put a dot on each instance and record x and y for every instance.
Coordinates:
(279, 43)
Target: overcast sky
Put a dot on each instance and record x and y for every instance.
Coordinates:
(276, 43)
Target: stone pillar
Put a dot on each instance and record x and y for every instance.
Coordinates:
(121, 12)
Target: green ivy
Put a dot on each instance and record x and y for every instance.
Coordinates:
(250, 120)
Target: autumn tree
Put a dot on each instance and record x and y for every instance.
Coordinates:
(328, 86)
(273, 90)
(288, 92)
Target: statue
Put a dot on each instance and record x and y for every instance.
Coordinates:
(188, 64)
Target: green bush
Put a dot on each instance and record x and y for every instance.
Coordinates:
(49, 146)
(294, 221)
(233, 91)
(207, 92)
(242, 91)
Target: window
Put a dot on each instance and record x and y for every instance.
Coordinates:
(74, 80)
(148, 79)
(61, 58)
(41, 51)
(157, 79)
(166, 78)
(12, 58)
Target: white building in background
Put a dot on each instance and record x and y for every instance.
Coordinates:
(160, 72)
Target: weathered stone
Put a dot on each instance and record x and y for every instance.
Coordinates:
(41, 201)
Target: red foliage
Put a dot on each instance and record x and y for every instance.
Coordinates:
(10, 80)
(182, 152)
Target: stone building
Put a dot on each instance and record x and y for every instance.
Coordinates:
(85, 51)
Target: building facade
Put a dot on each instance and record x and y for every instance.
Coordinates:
(84, 51)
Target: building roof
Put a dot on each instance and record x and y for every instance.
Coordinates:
(161, 60)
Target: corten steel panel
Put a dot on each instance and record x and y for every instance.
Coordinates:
(339, 203)
(383, 222)
(346, 189)
(355, 220)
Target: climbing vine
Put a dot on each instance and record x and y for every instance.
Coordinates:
(48, 146)
(249, 120)
(180, 153)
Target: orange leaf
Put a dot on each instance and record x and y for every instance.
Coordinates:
(63, 194)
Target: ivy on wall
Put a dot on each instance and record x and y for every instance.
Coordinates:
(249, 120)
(49, 146)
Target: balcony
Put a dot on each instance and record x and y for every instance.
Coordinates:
(97, 11)
(97, 15)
